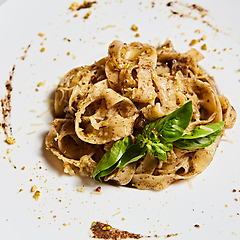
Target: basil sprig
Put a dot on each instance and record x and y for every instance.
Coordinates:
(109, 161)
(159, 137)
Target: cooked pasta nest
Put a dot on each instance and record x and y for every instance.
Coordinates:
(118, 95)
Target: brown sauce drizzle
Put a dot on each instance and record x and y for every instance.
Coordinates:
(6, 106)
(192, 6)
(203, 12)
(86, 4)
(105, 231)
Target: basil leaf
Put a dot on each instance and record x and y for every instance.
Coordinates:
(103, 173)
(109, 161)
(202, 131)
(133, 154)
(159, 150)
(149, 127)
(171, 127)
(197, 143)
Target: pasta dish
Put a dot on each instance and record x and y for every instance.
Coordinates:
(142, 116)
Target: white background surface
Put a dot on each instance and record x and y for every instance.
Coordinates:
(211, 203)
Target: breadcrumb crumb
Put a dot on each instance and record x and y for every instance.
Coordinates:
(10, 140)
(193, 42)
(36, 195)
(87, 15)
(134, 28)
(34, 188)
(74, 6)
(204, 47)
(41, 34)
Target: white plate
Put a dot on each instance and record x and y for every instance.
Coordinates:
(58, 214)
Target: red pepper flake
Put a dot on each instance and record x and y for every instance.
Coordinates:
(197, 226)
(92, 78)
(234, 190)
(98, 189)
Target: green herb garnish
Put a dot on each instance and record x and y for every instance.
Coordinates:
(159, 137)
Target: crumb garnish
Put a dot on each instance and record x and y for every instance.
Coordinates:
(105, 231)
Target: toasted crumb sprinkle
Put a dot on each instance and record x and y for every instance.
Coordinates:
(193, 42)
(74, 6)
(204, 47)
(204, 37)
(41, 34)
(137, 35)
(34, 188)
(41, 83)
(106, 228)
(68, 53)
(10, 140)
(134, 27)
(36, 195)
(87, 15)
(42, 49)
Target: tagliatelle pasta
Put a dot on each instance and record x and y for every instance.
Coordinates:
(117, 96)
